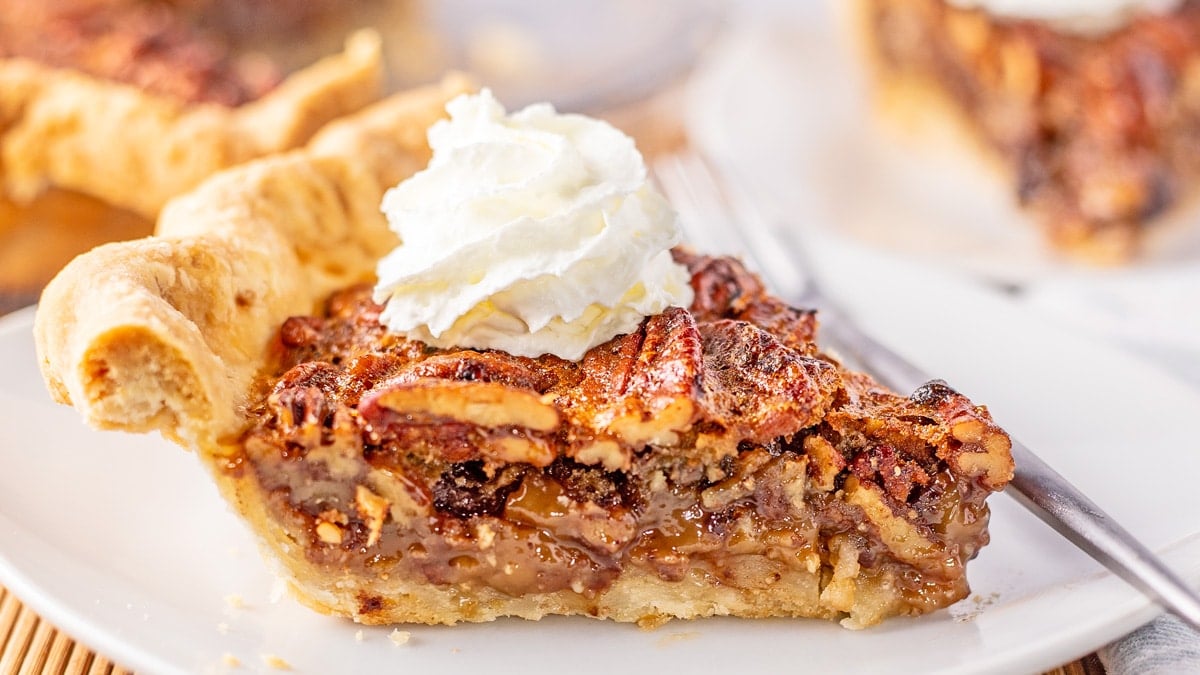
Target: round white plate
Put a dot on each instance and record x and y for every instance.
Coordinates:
(122, 541)
(784, 99)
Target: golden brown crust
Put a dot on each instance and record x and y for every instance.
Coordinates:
(137, 150)
(198, 302)
(636, 597)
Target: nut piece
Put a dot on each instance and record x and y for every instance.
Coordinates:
(839, 593)
(738, 486)
(518, 449)
(373, 509)
(986, 450)
(968, 431)
(642, 389)
(607, 453)
(329, 533)
(827, 462)
(482, 404)
(904, 540)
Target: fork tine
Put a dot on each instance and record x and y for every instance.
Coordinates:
(704, 216)
(718, 217)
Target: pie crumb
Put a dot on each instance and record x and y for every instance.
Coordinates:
(275, 662)
(358, 636)
(234, 601)
(674, 638)
(399, 637)
(223, 628)
(231, 660)
(278, 590)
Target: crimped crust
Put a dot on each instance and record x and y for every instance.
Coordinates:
(196, 304)
(136, 150)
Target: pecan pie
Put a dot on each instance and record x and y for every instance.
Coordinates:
(713, 462)
(134, 102)
(1096, 130)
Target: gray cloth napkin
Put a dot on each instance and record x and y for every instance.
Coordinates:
(1165, 646)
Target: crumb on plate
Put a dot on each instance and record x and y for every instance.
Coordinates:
(275, 662)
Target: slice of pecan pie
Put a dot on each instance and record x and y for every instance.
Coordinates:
(134, 102)
(713, 462)
(1096, 129)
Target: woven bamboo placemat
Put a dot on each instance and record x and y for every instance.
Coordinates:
(29, 645)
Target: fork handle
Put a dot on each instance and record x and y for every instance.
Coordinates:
(866, 353)
(1037, 486)
(1042, 490)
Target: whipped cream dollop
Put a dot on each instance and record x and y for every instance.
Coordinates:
(1075, 16)
(533, 233)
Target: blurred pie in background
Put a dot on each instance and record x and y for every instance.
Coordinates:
(134, 102)
(1092, 107)
(108, 108)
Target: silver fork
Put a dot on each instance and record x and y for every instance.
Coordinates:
(719, 216)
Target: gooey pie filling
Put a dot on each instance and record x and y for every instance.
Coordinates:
(715, 443)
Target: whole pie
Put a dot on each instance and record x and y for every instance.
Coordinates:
(1095, 124)
(714, 461)
(133, 102)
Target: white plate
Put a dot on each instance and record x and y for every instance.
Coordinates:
(784, 99)
(122, 541)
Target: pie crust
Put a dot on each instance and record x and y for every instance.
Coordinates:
(136, 150)
(197, 302)
(714, 462)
